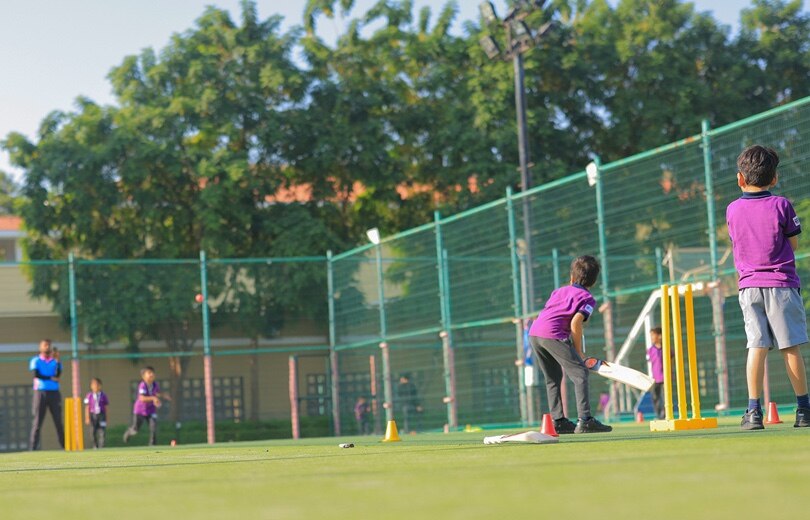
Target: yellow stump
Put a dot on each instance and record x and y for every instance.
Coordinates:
(74, 436)
(696, 422)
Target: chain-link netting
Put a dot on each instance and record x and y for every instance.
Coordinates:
(425, 327)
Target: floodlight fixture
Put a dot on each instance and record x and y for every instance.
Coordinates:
(490, 47)
(488, 12)
(373, 235)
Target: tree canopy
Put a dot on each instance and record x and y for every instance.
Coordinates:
(246, 140)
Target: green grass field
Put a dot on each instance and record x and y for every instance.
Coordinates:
(630, 473)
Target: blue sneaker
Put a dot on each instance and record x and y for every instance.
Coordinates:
(752, 420)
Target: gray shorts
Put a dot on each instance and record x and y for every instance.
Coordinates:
(774, 317)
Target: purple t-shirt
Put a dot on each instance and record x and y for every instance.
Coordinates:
(145, 408)
(554, 321)
(759, 225)
(97, 402)
(656, 359)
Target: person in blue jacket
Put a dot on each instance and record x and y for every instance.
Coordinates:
(46, 370)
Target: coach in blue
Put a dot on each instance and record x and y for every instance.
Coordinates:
(46, 370)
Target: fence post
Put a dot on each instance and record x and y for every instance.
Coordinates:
(718, 320)
(606, 308)
(446, 334)
(74, 327)
(388, 401)
(659, 266)
(333, 355)
(555, 259)
(388, 396)
(519, 310)
(207, 371)
(293, 391)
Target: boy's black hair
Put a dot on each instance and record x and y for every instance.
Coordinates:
(97, 380)
(757, 164)
(657, 330)
(585, 270)
(147, 369)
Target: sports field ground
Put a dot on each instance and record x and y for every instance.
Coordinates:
(630, 473)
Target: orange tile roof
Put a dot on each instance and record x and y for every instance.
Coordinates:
(10, 223)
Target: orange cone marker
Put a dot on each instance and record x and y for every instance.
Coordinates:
(640, 417)
(773, 414)
(548, 426)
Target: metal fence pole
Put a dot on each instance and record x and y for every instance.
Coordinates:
(659, 265)
(388, 392)
(207, 370)
(74, 327)
(607, 308)
(293, 391)
(446, 334)
(718, 319)
(555, 259)
(388, 396)
(519, 310)
(333, 355)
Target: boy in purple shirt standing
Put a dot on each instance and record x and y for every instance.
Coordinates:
(656, 358)
(147, 401)
(556, 337)
(764, 233)
(95, 412)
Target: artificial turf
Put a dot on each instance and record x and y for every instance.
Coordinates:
(629, 473)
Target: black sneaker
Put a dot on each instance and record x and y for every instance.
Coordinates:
(752, 420)
(591, 425)
(802, 418)
(564, 426)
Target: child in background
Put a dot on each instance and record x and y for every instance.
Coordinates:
(361, 414)
(656, 359)
(764, 233)
(556, 337)
(95, 412)
(147, 401)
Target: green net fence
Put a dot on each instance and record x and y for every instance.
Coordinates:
(427, 326)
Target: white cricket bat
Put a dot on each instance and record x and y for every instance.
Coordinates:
(530, 437)
(620, 373)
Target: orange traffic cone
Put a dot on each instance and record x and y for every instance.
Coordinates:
(391, 433)
(773, 414)
(548, 426)
(639, 417)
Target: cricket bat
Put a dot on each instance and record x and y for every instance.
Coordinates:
(620, 373)
(530, 437)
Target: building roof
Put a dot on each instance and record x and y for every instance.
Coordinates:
(10, 223)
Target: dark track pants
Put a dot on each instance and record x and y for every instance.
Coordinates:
(43, 401)
(554, 357)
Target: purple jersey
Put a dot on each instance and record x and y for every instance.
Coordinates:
(97, 402)
(759, 225)
(656, 358)
(554, 321)
(145, 408)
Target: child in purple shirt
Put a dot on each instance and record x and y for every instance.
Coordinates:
(95, 412)
(147, 401)
(655, 357)
(764, 233)
(556, 337)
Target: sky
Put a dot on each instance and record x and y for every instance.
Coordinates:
(53, 51)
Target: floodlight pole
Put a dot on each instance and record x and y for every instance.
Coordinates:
(525, 175)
